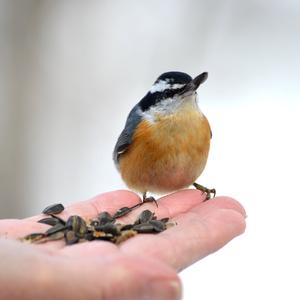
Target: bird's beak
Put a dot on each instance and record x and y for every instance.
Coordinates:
(194, 84)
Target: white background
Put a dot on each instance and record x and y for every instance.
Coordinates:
(72, 70)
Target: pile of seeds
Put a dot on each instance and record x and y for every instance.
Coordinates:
(104, 227)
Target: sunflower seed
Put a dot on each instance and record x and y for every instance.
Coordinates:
(58, 227)
(53, 209)
(165, 220)
(105, 218)
(144, 228)
(89, 236)
(77, 224)
(61, 221)
(158, 226)
(49, 221)
(33, 237)
(126, 227)
(144, 217)
(108, 228)
(55, 236)
(122, 212)
(71, 237)
(104, 227)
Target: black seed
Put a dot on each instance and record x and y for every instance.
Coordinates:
(71, 237)
(58, 227)
(126, 227)
(158, 226)
(49, 221)
(104, 227)
(55, 236)
(108, 228)
(63, 222)
(122, 212)
(89, 236)
(105, 218)
(33, 237)
(53, 209)
(144, 228)
(77, 224)
(165, 220)
(144, 217)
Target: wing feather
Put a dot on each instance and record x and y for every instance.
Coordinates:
(125, 138)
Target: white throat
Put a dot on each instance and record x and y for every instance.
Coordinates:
(170, 106)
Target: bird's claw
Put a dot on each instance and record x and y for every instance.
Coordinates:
(205, 190)
(149, 200)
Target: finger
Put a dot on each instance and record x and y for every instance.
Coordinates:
(109, 202)
(200, 231)
(169, 206)
(224, 202)
(181, 202)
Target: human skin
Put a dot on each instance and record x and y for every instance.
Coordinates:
(143, 267)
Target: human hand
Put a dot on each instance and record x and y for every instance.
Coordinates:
(143, 267)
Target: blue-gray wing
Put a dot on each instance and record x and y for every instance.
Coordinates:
(125, 138)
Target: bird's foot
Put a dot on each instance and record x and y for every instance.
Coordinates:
(205, 190)
(148, 200)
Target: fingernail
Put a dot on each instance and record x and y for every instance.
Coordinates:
(164, 290)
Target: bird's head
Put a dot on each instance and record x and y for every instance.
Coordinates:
(169, 91)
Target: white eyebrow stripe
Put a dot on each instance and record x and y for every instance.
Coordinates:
(159, 86)
(177, 86)
(162, 85)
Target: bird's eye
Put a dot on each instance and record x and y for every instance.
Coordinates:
(167, 93)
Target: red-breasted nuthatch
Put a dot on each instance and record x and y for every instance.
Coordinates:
(165, 143)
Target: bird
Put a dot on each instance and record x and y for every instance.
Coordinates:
(165, 143)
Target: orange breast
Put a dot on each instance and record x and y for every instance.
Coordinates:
(167, 155)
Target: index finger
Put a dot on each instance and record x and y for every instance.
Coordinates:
(110, 202)
(168, 206)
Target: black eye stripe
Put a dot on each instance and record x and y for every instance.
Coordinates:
(152, 99)
(168, 93)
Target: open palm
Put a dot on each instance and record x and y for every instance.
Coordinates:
(143, 267)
